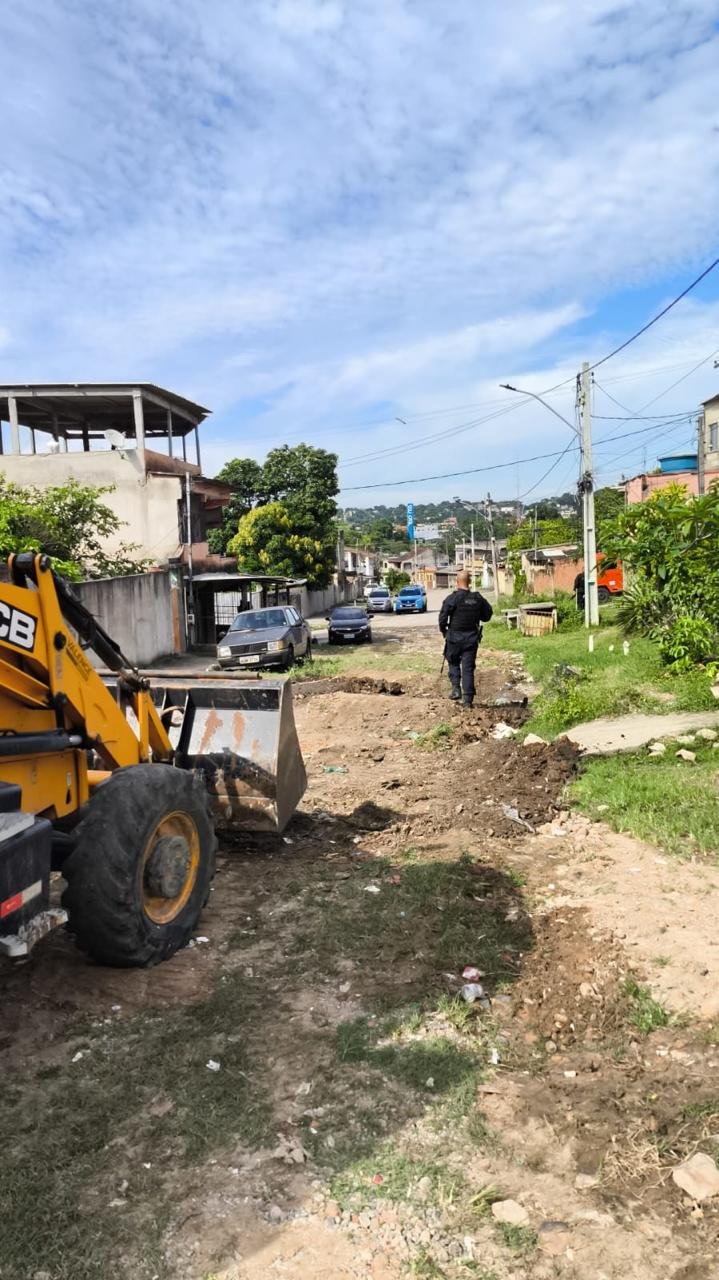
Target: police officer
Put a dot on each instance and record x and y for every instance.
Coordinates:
(460, 621)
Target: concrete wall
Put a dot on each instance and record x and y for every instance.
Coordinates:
(143, 613)
(315, 604)
(639, 488)
(147, 505)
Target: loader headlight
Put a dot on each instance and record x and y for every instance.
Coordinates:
(224, 652)
(274, 646)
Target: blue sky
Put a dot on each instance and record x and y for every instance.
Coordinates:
(317, 216)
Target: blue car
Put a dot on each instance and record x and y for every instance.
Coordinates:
(412, 599)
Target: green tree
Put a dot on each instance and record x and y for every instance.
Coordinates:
(268, 541)
(395, 579)
(549, 533)
(668, 547)
(245, 477)
(68, 522)
(608, 504)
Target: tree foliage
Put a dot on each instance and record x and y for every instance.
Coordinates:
(395, 579)
(68, 522)
(268, 541)
(295, 488)
(549, 533)
(669, 547)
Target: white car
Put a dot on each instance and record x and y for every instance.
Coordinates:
(379, 600)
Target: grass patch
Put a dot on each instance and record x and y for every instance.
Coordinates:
(400, 1175)
(518, 1239)
(434, 738)
(609, 684)
(379, 658)
(82, 1136)
(431, 1065)
(425, 1267)
(656, 798)
(647, 1014)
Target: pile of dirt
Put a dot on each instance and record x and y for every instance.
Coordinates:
(346, 684)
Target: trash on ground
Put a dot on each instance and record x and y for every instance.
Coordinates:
(510, 811)
(212, 1065)
(471, 974)
(502, 730)
(698, 1176)
(689, 756)
(472, 991)
(335, 768)
(371, 888)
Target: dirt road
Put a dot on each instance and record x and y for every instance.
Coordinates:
(305, 1093)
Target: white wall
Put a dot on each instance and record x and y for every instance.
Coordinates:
(142, 612)
(146, 504)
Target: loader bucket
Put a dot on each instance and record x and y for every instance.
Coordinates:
(241, 736)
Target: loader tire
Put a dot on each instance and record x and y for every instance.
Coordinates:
(141, 867)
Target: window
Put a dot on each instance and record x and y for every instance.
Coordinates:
(293, 616)
(713, 436)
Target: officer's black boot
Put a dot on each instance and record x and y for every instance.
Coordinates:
(456, 694)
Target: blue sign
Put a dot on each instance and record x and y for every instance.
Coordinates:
(410, 520)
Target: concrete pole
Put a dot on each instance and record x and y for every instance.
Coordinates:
(197, 448)
(701, 453)
(490, 522)
(169, 432)
(14, 425)
(474, 574)
(591, 598)
(139, 417)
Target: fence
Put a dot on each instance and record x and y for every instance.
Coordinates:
(142, 612)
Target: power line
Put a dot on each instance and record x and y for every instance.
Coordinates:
(657, 317)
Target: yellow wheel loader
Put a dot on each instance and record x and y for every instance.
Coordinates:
(118, 785)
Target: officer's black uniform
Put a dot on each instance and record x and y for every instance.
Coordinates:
(460, 621)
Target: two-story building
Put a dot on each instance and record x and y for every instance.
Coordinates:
(131, 438)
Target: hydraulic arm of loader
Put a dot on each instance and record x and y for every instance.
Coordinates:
(116, 781)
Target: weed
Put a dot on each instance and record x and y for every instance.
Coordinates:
(425, 1267)
(700, 1110)
(415, 1063)
(517, 878)
(647, 1014)
(400, 1175)
(659, 799)
(518, 1239)
(456, 1010)
(660, 961)
(434, 738)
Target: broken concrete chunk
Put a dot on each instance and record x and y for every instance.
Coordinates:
(511, 1212)
(698, 1176)
(657, 748)
(689, 756)
(709, 735)
(534, 740)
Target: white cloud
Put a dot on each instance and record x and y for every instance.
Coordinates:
(311, 214)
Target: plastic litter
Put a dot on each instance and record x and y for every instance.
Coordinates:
(510, 811)
(502, 730)
(371, 888)
(470, 974)
(472, 991)
(212, 1065)
(334, 768)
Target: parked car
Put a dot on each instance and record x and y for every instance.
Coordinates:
(349, 624)
(379, 600)
(272, 637)
(411, 599)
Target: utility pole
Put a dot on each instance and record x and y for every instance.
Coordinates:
(474, 575)
(586, 487)
(701, 452)
(493, 544)
(191, 622)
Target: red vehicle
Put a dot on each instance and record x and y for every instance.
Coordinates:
(610, 582)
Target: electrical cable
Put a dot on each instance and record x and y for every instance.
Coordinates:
(658, 316)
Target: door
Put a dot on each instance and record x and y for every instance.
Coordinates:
(298, 630)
